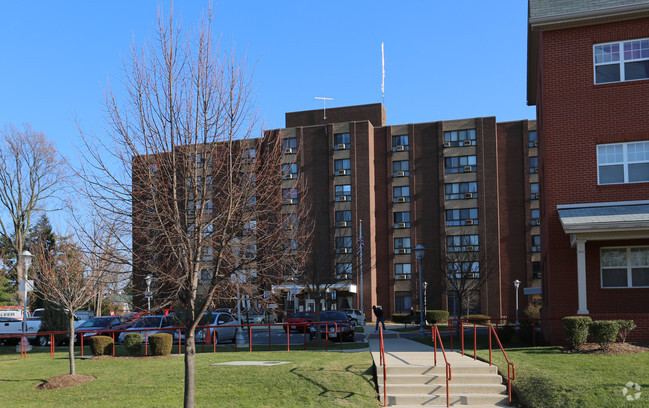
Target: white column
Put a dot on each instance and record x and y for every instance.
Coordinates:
(581, 276)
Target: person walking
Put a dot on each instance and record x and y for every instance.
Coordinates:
(378, 312)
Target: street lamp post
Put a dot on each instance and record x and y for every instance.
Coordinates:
(425, 301)
(26, 262)
(148, 295)
(419, 254)
(516, 285)
(238, 278)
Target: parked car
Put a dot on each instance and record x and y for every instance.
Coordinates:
(355, 317)
(300, 321)
(257, 316)
(223, 323)
(339, 326)
(102, 325)
(156, 322)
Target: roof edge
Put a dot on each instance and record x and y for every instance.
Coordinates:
(589, 17)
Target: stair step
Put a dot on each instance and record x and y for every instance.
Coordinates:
(439, 370)
(440, 399)
(439, 389)
(441, 379)
(500, 405)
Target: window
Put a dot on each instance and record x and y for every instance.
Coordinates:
(402, 302)
(625, 267)
(534, 191)
(289, 170)
(401, 194)
(534, 164)
(343, 216)
(462, 270)
(207, 230)
(343, 271)
(536, 243)
(463, 216)
(623, 163)
(536, 214)
(250, 228)
(458, 191)
(402, 245)
(458, 138)
(400, 143)
(249, 251)
(631, 64)
(198, 159)
(206, 277)
(343, 245)
(249, 154)
(252, 202)
(290, 221)
(533, 138)
(289, 196)
(402, 219)
(341, 141)
(460, 164)
(289, 145)
(462, 243)
(207, 254)
(402, 271)
(342, 167)
(209, 207)
(343, 192)
(400, 168)
(291, 245)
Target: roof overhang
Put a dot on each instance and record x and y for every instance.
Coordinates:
(590, 16)
(295, 289)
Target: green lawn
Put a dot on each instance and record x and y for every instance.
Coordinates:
(311, 379)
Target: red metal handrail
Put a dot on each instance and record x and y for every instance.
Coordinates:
(382, 362)
(436, 335)
(511, 369)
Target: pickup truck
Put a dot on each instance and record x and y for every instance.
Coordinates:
(12, 326)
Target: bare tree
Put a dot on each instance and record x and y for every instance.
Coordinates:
(31, 175)
(66, 281)
(199, 194)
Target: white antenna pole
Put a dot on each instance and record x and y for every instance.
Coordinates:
(324, 104)
(383, 72)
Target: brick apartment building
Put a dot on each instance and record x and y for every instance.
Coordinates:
(467, 190)
(588, 71)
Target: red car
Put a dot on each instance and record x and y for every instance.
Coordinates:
(300, 321)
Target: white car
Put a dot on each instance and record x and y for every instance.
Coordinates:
(355, 317)
(221, 322)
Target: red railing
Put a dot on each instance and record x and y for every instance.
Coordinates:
(436, 335)
(383, 364)
(511, 369)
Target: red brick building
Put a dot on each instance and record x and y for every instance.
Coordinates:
(588, 75)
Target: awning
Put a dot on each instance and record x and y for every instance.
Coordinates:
(295, 289)
(532, 291)
(617, 220)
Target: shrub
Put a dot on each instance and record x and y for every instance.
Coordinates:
(625, 327)
(101, 345)
(478, 319)
(532, 311)
(133, 343)
(576, 329)
(401, 318)
(437, 316)
(604, 332)
(161, 344)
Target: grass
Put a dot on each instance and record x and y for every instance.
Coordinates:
(311, 378)
(548, 378)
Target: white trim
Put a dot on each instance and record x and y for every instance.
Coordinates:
(581, 277)
(618, 12)
(624, 163)
(628, 266)
(606, 204)
(620, 62)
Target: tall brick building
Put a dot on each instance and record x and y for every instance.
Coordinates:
(588, 71)
(467, 190)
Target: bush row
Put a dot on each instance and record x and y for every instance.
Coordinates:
(160, 344)
(603, 332)
(436, 316)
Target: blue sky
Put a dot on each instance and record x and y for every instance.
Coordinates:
(443, 59)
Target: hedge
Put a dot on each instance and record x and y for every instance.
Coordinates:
(133, 343)
(101, 345)
(437, 316)
(625, 327)
(604, 332)
(161, 344)
(478, 319)
(576, 329)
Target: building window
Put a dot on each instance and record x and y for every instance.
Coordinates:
(206, 277)
(402, 271)
(342, 167)
(460, 164)
(534, 164)
(400, 168)
(289, 145)
(462, 243)
(625, 267)
(533, 138)
(401, 194)
(621, 61)
(344, 271)
(623, 163)
(459, 191)
(289, 221)
(344, 216)
(289, 170)
(402, 245)
(343, 192)
(402, 219)
(536, 243)
(457, 138)
(536, 215)
(343, 245)
(534, 191)
(207, 254)
(463, 216)
(400, 143)
(197, 159)
(462, 270)
(291, 245)
(249, 155)
(342, 141)
(250, 228)
(402, 302)
(289, 196)
(250, 251)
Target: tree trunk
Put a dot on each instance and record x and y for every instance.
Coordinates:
(190, 360)
(71, 345)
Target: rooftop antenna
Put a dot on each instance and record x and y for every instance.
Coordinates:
(383, 73)
(324, 104)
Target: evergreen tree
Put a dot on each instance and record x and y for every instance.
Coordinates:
(41, 236)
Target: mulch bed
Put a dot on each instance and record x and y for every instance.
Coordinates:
(615, 348)
(64, 381)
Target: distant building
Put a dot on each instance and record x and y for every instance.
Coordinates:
(588, 72)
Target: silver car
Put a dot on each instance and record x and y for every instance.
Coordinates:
(355, 317)
(222, 326)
